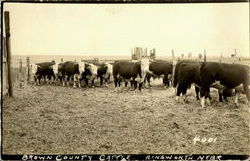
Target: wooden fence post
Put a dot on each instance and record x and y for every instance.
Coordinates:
(205, 56)
(28, 69)
(8, 51)
(20, 74)
(220, 57)
(173, 54)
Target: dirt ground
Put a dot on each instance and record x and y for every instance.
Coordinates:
(51, 119)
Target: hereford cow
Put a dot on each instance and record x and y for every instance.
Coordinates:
(126, 70)
(186, 72)
(161, 67)
(229, 75)
(89, 74)
(42, 70)
(71, 69)
(104, 72)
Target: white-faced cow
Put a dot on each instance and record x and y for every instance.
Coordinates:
(104, 71)
(126, 70)
(90, 73)
(71, 69)
(42, 70)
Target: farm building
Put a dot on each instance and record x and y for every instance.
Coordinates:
(138, 53)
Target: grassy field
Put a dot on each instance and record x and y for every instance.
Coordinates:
(51, 119)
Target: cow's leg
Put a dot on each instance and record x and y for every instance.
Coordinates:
(204, 95)
(63, 80)
(119, 83)
(131, 83)
(140, 86)
(86, 81)
(220, 93)
(184, 91)
(101, 81)
(126, 83)
(79, 81)
(115, 81)
(236, 99)
(49, 79)
(92, 83)
(75, 79)
(135, 85)
(35, 79)
(208, 100)
(165, 81)
(197, 91)
(247, 91)
(68, 80)
(39, 79)
(44, 78)
(178, 93)
(148, 80)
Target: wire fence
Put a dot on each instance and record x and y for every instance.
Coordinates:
(19, 65)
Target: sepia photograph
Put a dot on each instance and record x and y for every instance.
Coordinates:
(125, 78)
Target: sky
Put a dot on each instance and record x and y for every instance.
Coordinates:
(113, 29)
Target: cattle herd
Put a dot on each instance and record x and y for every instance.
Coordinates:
(229, 79)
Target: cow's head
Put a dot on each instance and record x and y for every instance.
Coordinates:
(145, 68)
(55, 68)
(93, 70)
(81, 67)
(34, 69)
(109, 68)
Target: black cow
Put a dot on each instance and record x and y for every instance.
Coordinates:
(229, 75)
(104, 72)
(71, 69)
(127, 70)
(42, 70)
(90, 73)
(160, 67)
(57, 72)
(186, 72)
